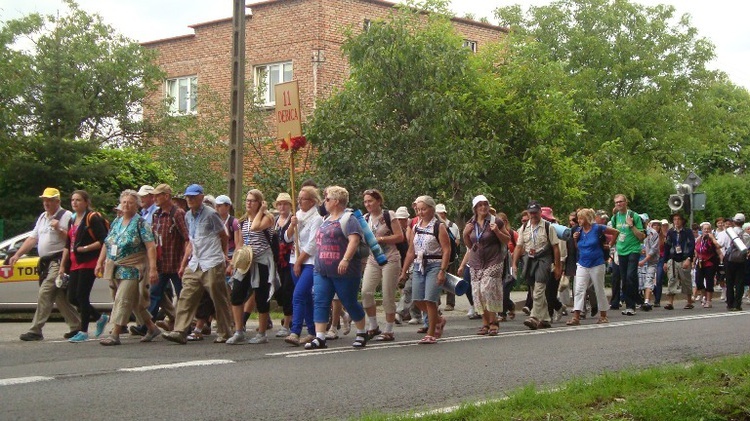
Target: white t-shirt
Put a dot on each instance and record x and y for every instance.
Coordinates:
(49, 240)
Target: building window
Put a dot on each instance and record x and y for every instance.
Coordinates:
(182, 95)
(268, 76)
(471, 45)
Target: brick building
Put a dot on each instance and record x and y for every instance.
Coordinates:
(285, 40)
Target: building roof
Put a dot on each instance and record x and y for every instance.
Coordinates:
(272, 2)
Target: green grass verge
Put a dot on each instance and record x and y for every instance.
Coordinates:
(713, 390)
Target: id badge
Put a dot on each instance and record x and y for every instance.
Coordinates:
(114, 249)
(678, 249)
(621, 237)
(158, 240)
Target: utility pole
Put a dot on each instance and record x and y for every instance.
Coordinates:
(237, 121)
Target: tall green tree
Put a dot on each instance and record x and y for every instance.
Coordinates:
(71, 100)
(421, 114)
(634, 73)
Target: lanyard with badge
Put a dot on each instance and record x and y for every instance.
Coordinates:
(677, 246)
(478, 234)
(534, 236)
(620, 226)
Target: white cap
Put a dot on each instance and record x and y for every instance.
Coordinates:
(145, 190)
(440, 208)
(739, 217)
(478, 199)
(402, 213)
(223, 199)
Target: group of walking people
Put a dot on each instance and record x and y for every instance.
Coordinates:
(317, 261)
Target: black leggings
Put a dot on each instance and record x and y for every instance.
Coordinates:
(284, 294)
(704, 278)
(79, 294)
(241, 290)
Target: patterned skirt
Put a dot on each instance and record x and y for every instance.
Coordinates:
(487, 288)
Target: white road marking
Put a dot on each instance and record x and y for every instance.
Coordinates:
(24, 380)
(466, 338)
(197, 363)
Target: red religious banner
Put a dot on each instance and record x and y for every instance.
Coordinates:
(289, 116)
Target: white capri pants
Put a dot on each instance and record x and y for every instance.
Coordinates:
(590, 276)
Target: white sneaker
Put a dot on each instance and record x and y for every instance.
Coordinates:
(470, 313)
(283, 332)
(346, 327)
(415, 321)
(258, 339)
(237, 339)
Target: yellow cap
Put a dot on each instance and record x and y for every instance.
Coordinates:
(50, 192)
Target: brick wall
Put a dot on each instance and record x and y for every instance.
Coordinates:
(280, 31)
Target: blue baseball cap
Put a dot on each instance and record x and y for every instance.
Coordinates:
(193, 190)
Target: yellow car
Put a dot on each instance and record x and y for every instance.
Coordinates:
(25, 268)
(19, 284)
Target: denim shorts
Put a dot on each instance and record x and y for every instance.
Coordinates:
(424, 284)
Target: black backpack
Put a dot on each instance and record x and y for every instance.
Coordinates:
(436, 233)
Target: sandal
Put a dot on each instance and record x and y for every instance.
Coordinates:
(373, 333)
(494, 327)
(385, 337)
(110, 341)
(439, 326)
(511, 314)
(428, 340)
(422, 330)
(360, 341)
(574, 322)
(688, 306)
(316, 343)
(502, 318)
(483, 330)
(196, 335)
(602, 320)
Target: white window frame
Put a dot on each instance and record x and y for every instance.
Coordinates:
(176, 104)
(264, 83)
(471, 45)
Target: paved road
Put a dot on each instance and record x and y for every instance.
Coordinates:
(57, 380)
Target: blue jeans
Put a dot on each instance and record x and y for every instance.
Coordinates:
(659, 280)
(324, 287)
(302, 300)
(157, 291)
(629, 276)
(424, 285)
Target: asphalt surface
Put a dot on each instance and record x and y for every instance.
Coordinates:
(53, 379)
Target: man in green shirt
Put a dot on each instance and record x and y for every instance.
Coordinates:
(629, 240)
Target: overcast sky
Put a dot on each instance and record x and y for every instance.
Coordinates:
(724, 22)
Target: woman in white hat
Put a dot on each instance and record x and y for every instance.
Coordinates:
(486, 238)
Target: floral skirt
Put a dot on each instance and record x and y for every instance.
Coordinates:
(487, 288)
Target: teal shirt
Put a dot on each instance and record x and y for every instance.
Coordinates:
(627, 242)
(129, 241)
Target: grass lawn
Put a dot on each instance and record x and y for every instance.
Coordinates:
(716, 389)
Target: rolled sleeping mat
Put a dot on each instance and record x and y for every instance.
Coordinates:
(455, 285)
(736, 240)
(370, 239)
(563, 232)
